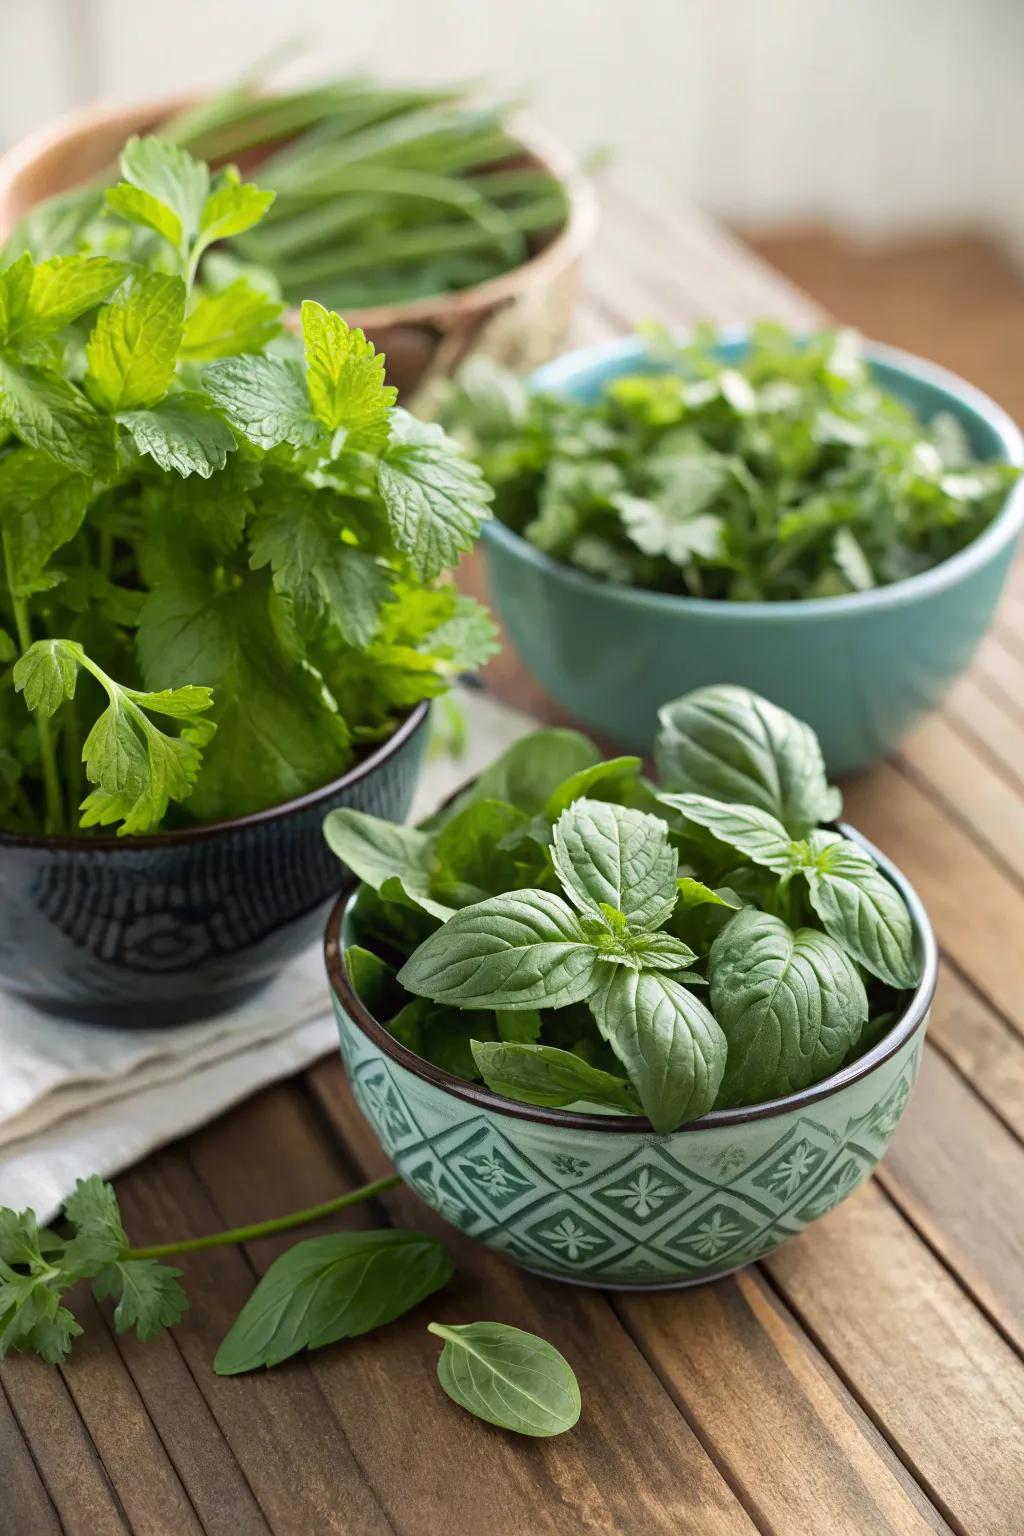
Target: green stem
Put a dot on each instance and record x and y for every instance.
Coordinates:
(268, 1228)
(47, 754)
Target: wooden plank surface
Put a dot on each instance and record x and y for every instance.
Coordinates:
(867, 1378)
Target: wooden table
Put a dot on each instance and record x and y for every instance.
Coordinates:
(867, 1378)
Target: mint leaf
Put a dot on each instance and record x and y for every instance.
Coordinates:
(43, 503)
(743, 827)
(435, 499)
(671, 1046)
(861, 909)
(791, 1005)
(508, 1377)
(50, 414)
(512, 951)
(134, 344)
(542, 1074)
(606, 855)
(265, 398)
(240, 318)
(728, 744)
(345, 378)
(181, 433)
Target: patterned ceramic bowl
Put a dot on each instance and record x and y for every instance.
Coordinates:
(171, 927)
(602, 1199)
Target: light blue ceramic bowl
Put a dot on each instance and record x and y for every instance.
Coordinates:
(605, 1200)
(861, 669)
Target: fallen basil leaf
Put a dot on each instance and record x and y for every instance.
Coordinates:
(508, 1377)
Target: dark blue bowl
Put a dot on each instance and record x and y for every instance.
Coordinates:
(164, 929)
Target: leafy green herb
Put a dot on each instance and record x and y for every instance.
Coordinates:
(547, 942)
(508, 1377)
(787, 474)
(209, 520)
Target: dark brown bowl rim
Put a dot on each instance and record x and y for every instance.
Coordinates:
(106, 843)
(567, 1120)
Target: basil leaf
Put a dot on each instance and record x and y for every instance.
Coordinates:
(606, 855)
(662, 952)
(520, 1027)
(861, 909)
(613, 775)
(469, 846)
(791, 1004)
(508, 1377)
(694, 893)
(542, 1074)
(514, 951)
(446, 1036)
(373, 981)
(729, 744)
(750, 831)
(378, 851)
(330, 1288)
(531, 771)
(669, 1043)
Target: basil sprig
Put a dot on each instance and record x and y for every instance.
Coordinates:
(704, 944)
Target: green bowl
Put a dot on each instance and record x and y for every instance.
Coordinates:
(602, 1199)
(861, 669)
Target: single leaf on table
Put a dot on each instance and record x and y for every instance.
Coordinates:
(791, 1004)
(607, 855)
(60, 291)
(520, 950)
(181, 433)
(543, 1074)
(47, 674)
(508, 1377)
(264, 398)
(42, 504)
(328, 580)
(728, 744)
(861, 909)
(670, 1044)
(331, 1288)
(345, 379)
(237, 319)
(750, 831)
(436, 499)
(48, 413)
(134, 344)
(612, 775)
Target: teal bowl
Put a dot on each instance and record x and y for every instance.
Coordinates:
(861, 669)
(603, 1199)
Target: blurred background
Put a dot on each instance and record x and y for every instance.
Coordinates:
(870, 150)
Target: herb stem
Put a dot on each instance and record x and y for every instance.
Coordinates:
(47, 754)
(268, 1228)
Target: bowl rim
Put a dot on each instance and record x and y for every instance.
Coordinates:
(558, 376)
(566, 247)
(912, 1019)
(107, 843)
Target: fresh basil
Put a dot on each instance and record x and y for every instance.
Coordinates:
(610, 777)
(331, 1288)
(670, 1045)
(727, 743)
(791, 1006)
(542, 1074)
(861, 909)
(609, 856)
(694, 893)
(377, 851)
(508, 1377)
(755, 833)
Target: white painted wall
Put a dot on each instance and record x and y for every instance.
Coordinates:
(881, 115)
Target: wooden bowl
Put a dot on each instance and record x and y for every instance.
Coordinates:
(520, 318)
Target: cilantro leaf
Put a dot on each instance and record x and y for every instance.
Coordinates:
(134, 344)
(345, 378)
(148, 1295)
(436, 500)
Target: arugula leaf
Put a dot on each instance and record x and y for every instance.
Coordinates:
(507, 952)
(43, 503)
(264, 398)
(435, 499)
(605, 855)
(508, 1377)
(728, 744)
(134, 344)
(861, 909)
(542, 1074)
(331, 1288)
(671, 1046)
(181, 433)
(750, 831)
(791, 1005)
(238, 319)
(345, 378)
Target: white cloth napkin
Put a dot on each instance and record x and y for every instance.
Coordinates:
(77, 1099)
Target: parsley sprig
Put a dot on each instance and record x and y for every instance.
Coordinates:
(206, 520)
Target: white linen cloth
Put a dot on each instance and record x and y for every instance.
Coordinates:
(77, 1099)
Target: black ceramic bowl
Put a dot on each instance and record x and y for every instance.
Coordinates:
(176, 926)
